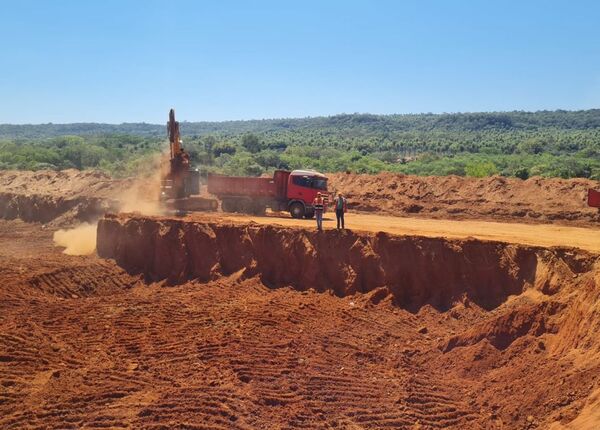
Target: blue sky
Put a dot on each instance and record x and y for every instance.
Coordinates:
(129, 61)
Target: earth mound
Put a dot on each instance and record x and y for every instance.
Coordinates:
(538, 200)
(535, 199)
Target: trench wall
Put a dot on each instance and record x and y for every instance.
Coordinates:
(414, 270)
(46, 208)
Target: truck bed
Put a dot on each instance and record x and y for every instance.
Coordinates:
(594, 198)
(232, 186)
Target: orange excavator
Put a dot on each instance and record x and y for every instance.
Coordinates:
(180, 184)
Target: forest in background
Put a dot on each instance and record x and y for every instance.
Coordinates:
(547, 143)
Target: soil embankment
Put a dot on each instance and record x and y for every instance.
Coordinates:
(415, 270)
(69, 196)
(533, 200)
(45, 208)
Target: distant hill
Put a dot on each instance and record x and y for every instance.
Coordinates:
(356, 123)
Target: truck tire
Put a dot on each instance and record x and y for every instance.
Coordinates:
(310, 214)
(258, 208)
(228, 205)
(297, 210)
(245, 206)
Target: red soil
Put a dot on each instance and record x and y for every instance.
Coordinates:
(218, 324)
(85, 344)
(535, 199)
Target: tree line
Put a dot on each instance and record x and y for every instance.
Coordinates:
(522, 144)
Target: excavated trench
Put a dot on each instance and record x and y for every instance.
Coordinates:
(414, 270)
(510, 339)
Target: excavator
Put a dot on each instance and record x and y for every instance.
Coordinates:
(180, 184)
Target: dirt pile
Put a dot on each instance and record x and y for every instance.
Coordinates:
(47, 208)
(534, 199)
(71, 196)
(64, 183)
(67, 196)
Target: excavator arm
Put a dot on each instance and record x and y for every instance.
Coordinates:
(173, 132)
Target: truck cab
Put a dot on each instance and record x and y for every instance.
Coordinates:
(302, 189)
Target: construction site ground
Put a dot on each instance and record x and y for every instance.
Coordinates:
(91, 342)
(587, 238)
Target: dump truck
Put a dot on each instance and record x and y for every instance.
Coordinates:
(286, 191)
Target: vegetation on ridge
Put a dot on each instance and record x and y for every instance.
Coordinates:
(522, 144)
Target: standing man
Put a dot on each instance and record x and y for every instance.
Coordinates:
(340, 209)
(319, 205)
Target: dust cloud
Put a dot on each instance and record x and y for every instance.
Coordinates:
(80, 240)
(142, 195)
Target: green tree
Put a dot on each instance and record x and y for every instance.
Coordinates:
(522, 173)
(534, 145)
(224, 148)
(481, 169)
(251, 143)
(209, 144)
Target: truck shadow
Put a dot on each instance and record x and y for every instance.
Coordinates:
(284, 215)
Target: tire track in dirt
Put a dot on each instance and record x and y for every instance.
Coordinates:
(209, 356)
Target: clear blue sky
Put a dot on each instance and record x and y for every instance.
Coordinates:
(129, 61)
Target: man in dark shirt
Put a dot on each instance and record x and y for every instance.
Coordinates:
(340, 209)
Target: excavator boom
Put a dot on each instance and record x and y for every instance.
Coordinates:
(173, 132)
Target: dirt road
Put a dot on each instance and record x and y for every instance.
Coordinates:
(527, 234)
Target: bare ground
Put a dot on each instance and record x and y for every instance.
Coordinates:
(89, 343)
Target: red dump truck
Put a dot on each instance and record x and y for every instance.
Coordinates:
(285, 191)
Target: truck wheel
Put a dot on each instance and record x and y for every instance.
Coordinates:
(244, 206)
(228, 205)
(258, 208)
(297, 210)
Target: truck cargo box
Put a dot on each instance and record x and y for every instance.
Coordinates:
(220, 185)
(594, 198)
